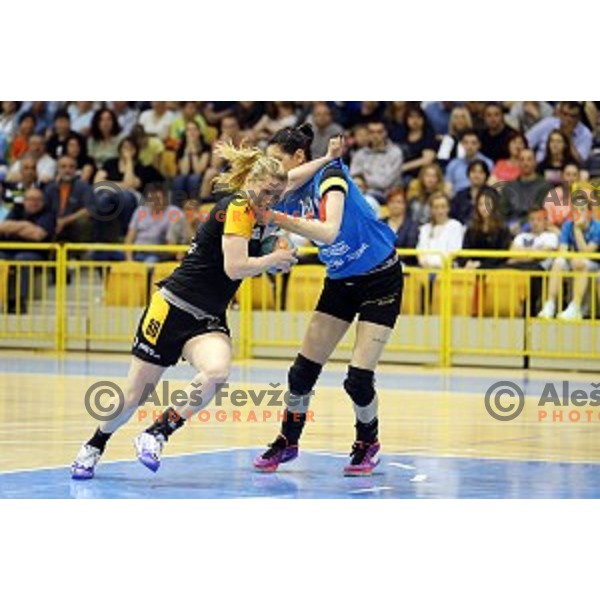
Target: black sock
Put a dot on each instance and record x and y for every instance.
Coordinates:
(99, 439)
(367, 432)
(167, 423)
(292, 426)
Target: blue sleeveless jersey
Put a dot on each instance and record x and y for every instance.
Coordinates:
(362, 243)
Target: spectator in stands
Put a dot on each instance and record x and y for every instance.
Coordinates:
(401, 223)
(581, 233)
(20, 143)
(456, 172)
(151, 148)
(558, 200)
(31, 222)
(15, 191)
(42, 111)
(81, 114)
(57, 141)
(369, 111)
(509, 169)
(438, 114)
(558, 154)
(358, 139)
(324, 128)
(463, 204)
(523, 194)
(105, 136)
(395, 120)
(8, 119)
(189, 113)
(215, 112)
(157, 120)
(486, 231)
(182, 231)
(419, 146)
(150, 223)
(76, 149)
(538, 238)
(70, 199)
(476, 109)
(361, 184)
(193, 158)
(420, 190)
(569, 122)
(44, 163)
(126, 116)
(4, 209)
(524, 115)
(279, 115)
(380, 163)
(441, 234)
(249, 113)
(450, 146)
(495, 135)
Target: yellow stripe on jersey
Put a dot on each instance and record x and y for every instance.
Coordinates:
(239, 219)
(333, 182)
(155, 318)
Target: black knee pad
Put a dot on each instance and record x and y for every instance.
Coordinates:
(303, 375)
(360, 385)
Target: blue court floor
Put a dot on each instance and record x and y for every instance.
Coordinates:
(228, 474)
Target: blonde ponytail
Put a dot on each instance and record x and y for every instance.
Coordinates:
(246, 164)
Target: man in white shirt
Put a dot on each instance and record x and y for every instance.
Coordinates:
(157, 120)
(45, 165)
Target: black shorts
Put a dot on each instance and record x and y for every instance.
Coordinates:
(375, 297)
(164, 329)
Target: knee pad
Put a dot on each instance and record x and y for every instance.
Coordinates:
(360, 385)
(303, 375)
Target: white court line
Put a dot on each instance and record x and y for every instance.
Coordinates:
(381, 488)
(120, 460)
(402, 466)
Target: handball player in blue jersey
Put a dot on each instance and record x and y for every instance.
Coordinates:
(364, 280)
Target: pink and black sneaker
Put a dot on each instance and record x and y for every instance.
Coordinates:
(363, 460)
(279, 452)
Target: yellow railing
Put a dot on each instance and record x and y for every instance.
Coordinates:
(450, 315)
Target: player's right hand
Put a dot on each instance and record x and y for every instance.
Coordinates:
(282, 259)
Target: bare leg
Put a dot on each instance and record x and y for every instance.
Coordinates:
(322, 337)
(580, 283)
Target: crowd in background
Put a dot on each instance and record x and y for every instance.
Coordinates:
(443, 175)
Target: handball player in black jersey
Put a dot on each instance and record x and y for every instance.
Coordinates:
(186, 315)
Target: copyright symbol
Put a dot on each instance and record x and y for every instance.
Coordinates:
(506, 410)
(107, 201)
(101, 408)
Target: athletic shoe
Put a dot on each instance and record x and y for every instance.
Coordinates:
(363, 459)
(279, 452)
(571, 313)
(85, 462)
(548, 311)
(149, 449)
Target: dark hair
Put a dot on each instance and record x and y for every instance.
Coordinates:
(133, 142)
(478, 163)
(495, 219)
(395, 191)
(416, 109)
(571, 104)
(95, 127)
(82, 146)
(62, 114)
(467, 132)
(292, 139)
(567, 156)
(493, 104)
(513, 135)
(571, 163)
(28, 115)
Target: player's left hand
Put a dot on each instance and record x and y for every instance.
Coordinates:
(335, 149)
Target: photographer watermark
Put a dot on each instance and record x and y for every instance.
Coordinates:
(559, 402)
(105, 400)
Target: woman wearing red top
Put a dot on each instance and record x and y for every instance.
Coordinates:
(508, 169)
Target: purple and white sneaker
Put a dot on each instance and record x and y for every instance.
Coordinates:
(149, 449)
(363, 459)
(279, 452)
(85, 462)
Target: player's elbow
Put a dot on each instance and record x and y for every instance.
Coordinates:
(233, 270)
